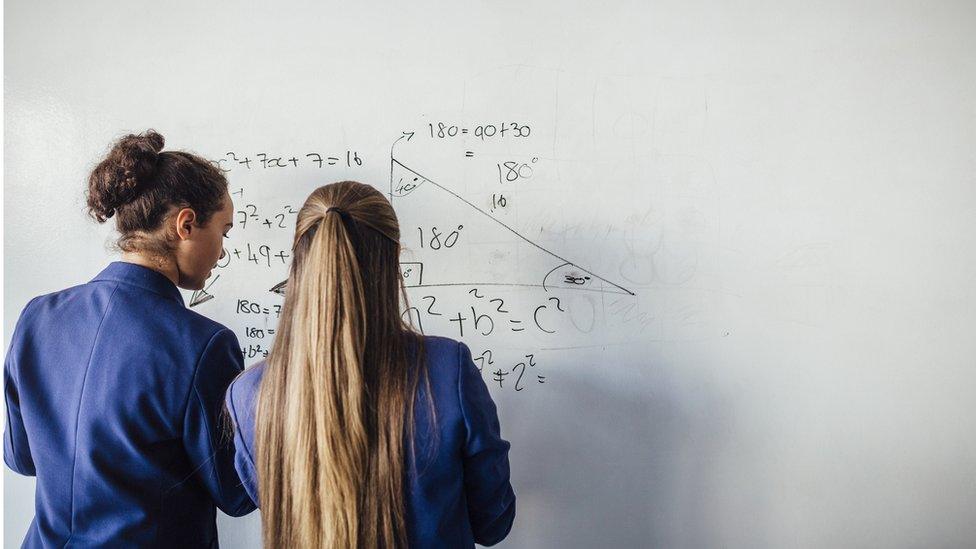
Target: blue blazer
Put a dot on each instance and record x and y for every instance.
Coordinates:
(458, 486)
(114, 393)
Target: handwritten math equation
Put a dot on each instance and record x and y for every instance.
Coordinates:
(446, 130)
(265, 161)
(495, 317)
(505, 331)
(486, 315)
(517, 376)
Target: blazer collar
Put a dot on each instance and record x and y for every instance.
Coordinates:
(143, 277)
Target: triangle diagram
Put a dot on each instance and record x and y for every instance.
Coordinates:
(453, 241)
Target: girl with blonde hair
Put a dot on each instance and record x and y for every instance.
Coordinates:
(357, 431)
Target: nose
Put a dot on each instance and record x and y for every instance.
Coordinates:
(223, 253)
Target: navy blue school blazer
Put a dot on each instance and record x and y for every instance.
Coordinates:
(458, 487)
(114, 393)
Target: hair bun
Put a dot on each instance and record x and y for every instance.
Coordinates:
(124, 173)
(137, 156)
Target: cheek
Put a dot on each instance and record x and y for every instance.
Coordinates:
(204, 255)
(217, 249)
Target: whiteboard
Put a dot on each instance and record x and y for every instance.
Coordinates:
(716, 263)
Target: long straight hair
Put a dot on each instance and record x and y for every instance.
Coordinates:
(337, 395)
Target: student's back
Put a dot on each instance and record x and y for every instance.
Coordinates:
(357, 431)
(111, 380)
(458, 490)
(114, 390)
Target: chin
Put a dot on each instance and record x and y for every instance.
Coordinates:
(192, 284)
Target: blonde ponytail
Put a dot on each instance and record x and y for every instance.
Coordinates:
(337, 394)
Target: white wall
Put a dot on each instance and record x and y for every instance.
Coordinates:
(787, 188)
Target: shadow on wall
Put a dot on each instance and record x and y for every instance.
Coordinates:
(625, 469)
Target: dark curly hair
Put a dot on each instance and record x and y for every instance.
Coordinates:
(140, 185)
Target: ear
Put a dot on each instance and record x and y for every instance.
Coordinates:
(185, 219)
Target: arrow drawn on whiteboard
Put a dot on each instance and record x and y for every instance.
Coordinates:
(202, 296)
(279, 288)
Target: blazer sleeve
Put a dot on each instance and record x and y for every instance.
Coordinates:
(487, 484)
(16, 448)
(205, 435)
(243, 459)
